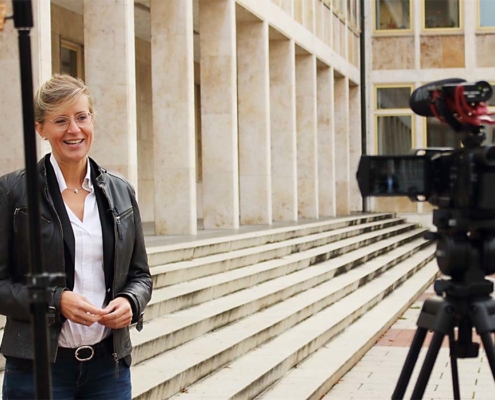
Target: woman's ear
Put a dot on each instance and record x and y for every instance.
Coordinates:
(39, 129)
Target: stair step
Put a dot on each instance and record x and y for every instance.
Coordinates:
(316, 375)
(158, 255)
(164, 333)
(252, 373)
(168, 373)
(163, 301)
(173, 273)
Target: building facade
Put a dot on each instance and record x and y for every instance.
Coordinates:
(415, 42)
(230, 112)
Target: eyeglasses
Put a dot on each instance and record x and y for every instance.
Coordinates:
(82, 119)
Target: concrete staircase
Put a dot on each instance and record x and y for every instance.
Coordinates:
(231, 317)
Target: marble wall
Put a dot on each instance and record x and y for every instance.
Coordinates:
(265, 137)
(393, 53)
(442, 51)
(485, 50)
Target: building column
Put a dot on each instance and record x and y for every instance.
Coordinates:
(341, 93)
(355, 147)
(109, 64)
(253, 93)
(217, 21)
(306, 122)
(11, 117)
(283, 129)
(326, 143)
(172, 52)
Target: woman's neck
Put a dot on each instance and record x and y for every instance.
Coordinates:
(73, 173)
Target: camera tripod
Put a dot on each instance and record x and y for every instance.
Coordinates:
(462, 306)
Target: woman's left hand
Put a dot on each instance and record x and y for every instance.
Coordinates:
(119, 314)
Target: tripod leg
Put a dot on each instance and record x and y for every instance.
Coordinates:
(486, 338)
(428, 364)
(412, 357)
(453, 366)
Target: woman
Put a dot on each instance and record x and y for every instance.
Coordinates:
(90, 231)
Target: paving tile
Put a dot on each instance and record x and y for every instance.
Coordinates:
(379, 369)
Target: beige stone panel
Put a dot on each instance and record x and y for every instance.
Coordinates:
(341, 116)
(253, 189)
(283, 130)
(342, 206)
(219, 39)
(442, 51)
(393, 52)
(453, 52)
(11, 117)
(144, 115)
(220, 190)
(253, 83)
(355, 149)
(146, 197)
(219, 72)
(109, 36)
(177, 197)
(172, 48)
(336, 33)
(395, 204)
(326, 143)
(485, 54)
(306, 122)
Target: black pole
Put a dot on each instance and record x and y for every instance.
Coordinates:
(362, 52)
(38, 282)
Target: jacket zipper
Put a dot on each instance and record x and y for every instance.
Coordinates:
(61, 231)
(117, 224)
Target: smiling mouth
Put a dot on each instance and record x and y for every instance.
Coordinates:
(73, 142)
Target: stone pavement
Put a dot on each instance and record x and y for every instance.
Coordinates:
(376, 374)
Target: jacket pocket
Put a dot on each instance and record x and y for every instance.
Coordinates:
(123, 220)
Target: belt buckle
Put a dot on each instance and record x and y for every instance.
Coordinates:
(76, 354)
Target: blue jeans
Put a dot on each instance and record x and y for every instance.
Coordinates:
(71, 379)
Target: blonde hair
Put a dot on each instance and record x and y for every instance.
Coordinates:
(59, 90)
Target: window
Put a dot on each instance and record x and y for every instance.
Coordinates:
(439, 134)
(392, 14)
(71, 59)
(486, 13)
(441, 14)
(393, 120)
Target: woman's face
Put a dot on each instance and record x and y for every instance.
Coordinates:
(72, 144)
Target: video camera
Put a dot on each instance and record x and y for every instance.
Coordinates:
(460, 182)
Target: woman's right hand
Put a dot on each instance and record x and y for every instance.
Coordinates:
(78, 309)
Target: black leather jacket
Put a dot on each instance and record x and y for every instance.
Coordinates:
(126, 265)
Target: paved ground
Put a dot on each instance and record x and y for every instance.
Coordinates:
(375, 376)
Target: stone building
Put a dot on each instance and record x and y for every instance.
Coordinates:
(414, 42)
(228, 112)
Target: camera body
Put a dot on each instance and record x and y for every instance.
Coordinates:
(459, 182)
(447, 178)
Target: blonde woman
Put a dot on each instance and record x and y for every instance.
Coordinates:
(91, 231)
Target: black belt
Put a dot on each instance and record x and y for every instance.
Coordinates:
(86, 353)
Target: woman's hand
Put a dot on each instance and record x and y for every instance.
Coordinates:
(118, 314)
(78, 309)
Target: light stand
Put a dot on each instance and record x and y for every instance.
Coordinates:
(38, 281)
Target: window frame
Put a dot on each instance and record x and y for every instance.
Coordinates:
(391, 112)
(78, 48)
(435, 31)
(394, 32)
